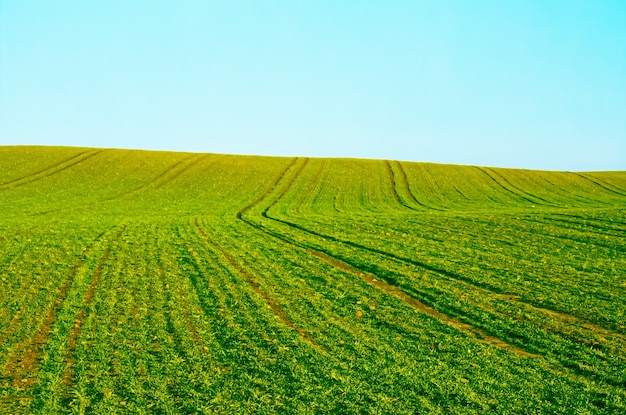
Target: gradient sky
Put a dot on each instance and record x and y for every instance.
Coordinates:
(532, 84)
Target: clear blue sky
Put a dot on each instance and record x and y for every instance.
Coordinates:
(529, 83)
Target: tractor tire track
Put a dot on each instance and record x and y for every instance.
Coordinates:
(596, 222)
(160, 180)
(68, 377)
(374, 281)
(451, 275)
(276, 308)
(407, 188)
(50, 171)
(575, 226)
(519, 194)
(210, 306)
(166, 176)
(566, 237)
(316, 181)
(269, 190)
(420, 264)
(183, 306)
(605, 186)
(557, 364)
(25, 361)
(393, 185)
(574, 197)
(377, 282)
(50, 167)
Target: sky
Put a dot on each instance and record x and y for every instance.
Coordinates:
(536, 84)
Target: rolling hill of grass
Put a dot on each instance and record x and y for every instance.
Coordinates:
(157, 282)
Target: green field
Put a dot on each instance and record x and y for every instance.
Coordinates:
(154, 282)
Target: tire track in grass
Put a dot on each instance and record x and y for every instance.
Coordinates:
(603, 185)
(17, 317)
(373, 280)
(449, 274)
(191, 328)
(407, 188)
(430, 188)
(391, 289)
(212, 307)
(166, 176)
(50, 171)
(567, 223)
(170, 173)
(44, 170)
(453, 276)
(566, 237)
(68, 376)
(564, 193)
(316, 182)
(614, 225)
(158, 181)
(423, 265)
(393, 185)
(380, 284)
(277, 310)
(25, 361)
(520, 193)
(568, 369)
(270, 189)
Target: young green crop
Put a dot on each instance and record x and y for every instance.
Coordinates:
(155, 282)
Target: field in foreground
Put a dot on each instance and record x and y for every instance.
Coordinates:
(154, 282)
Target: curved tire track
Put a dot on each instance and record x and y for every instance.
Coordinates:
(369, 278)
(519, 193)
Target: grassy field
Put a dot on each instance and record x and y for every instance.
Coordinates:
(154, 282)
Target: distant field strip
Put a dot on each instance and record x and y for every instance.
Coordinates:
(50, 170)
(155, 282)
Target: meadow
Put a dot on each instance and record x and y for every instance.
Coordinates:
(167, 283)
